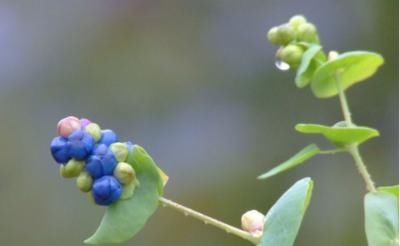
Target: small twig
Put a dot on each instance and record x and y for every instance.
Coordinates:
(210, 221)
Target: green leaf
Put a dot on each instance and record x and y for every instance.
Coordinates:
(283, 220)
(340, 136)
(349, 68)
(391, 189)
(125, 218)
(297, 159)
(382, 218)
(309, 63)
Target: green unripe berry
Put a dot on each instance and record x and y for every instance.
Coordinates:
(72, 169)
(124, 173)
(94, 130)
(291, 54)
(281, 35)
(307, 32)
(84, 182)
(128, 190)
(120, 151)
(296, 21)
(286, 34)
(273, 36)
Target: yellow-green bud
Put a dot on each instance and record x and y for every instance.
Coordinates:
(124, 173)
(285, 34)
(291, 54)
(307, 32)
(84, 182)
(120, 151)
(297, 20)
(72, 169)
(94, 130)
(128, 190)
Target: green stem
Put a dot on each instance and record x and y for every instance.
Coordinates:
(209, 220)
(353, 149)
(343, 103)
(362, 168)
(331, 151)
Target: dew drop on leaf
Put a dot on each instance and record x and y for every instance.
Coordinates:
(283, 66)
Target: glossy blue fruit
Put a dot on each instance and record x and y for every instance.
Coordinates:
(81, 144)
(101, 163)
(106, 190)
(108, 137)
(59, 148)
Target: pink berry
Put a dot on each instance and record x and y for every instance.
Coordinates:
(67, 125)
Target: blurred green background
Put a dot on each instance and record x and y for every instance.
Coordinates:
(194, 82)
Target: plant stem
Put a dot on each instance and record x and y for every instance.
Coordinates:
(353, 149)
(331, 151)
(209, 220)
(343, 103)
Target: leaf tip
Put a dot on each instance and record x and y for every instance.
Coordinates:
(300, 127)
(88, 241)
(263, 176)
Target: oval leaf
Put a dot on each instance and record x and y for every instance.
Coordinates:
(340, 136)
(349, 68)
(283, 220)
(297, 159)
(382, 218)
(125, 218)
(308, 65)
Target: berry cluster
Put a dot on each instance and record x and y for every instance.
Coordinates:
(94, 156)
(293, 37)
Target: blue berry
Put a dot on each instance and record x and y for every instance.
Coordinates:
(101, 163)
(59, 148)
(81, 144)
(108, 137)
(106, 190)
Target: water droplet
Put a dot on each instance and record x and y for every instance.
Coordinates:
(186, 214)
(205, 222)
(164, 205)
(283, 66)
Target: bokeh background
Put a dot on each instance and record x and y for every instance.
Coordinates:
(194, 82)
